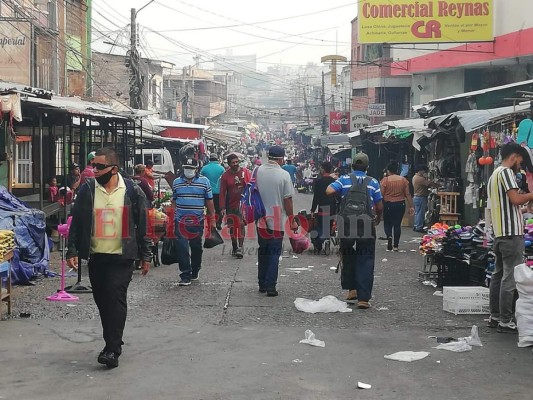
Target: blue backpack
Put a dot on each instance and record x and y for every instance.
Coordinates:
(252, 207)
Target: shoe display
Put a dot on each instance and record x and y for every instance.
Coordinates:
(363, 305)
(184, 282)
(509, 327)
(272, 292)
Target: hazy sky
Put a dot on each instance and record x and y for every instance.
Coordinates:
(175, 30)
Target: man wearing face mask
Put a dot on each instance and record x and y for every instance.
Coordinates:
(192, 193)
(504, 201)
(109, 229)
(421, 186)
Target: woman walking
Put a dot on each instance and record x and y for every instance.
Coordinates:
(395, 191)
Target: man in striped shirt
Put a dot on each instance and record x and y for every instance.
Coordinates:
(191, 194)
(504, 201)
(357, 275)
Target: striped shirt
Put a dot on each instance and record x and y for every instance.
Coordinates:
(344, 183)
(507, 219)
(190, 198)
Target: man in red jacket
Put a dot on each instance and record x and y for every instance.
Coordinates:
(232, 184)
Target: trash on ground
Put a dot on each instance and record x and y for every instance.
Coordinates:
(25, 315)
(438, 293)
(326, 304)
(429, 283)
(456, 347)
(297, 361)
(384, 260)
(438, 362)
(282, 275)
(462, 344)
(299, 269)
(383, 309)
(361, 385)
(402, 251)
(443, 339)
(71, 305)
(407, 356)
(333, 268)
(310, 266)
(412, 251)
(473, 339)
(280, 258)
(312, 340)
(294, 256)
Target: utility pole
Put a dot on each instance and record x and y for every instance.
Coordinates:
(135, 75)
(323, 105)
(306, 108)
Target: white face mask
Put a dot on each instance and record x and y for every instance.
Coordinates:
(189, 173)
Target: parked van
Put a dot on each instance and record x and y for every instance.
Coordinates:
(161, 158)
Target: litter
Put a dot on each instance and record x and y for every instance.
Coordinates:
(326, 304)
(297, 361)
(412, 251)
(407, 356)
(333, 268)
(310, 266)
(402, 251)
(256, 263)
(283, 275)
(384, 260)
(438, 293)
(443, 339)
(71, 305)
(280, 258)
(312, 340)
(294, 256)
(361, 385)
(299, 269)
(463, 343)
(429, 283)
(383, 309)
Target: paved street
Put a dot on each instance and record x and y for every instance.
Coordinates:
(221, 339)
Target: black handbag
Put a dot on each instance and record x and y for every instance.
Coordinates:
(213, 240)
(169, 253)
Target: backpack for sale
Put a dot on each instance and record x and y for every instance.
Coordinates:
(356, 206)
(252, 207)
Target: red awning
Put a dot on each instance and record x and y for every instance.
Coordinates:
(181, 133)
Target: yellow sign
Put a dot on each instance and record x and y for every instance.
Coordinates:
(407, 21)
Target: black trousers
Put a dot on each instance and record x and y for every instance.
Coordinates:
(393, 213)
(110, 276)
(217, 209)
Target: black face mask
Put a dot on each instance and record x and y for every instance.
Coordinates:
(103, 179)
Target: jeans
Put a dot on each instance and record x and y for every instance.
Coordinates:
(393, 213)
(270, 247)
(323, 232)
(509, 253)
(358, 266)
(421, 205)
(110, 276)
(189, 236)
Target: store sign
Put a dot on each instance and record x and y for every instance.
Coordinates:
(339, 121)
(377, 110)
(15, 45)
(407, 21)
(359, 119)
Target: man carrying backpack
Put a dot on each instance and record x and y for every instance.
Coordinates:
(360, 212)
(109, 229)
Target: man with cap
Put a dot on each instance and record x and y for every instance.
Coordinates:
(191, 194)
(232, 184)
(88, 172)
(276, 190)
(74, 179)
(358, 263)
(213, 171)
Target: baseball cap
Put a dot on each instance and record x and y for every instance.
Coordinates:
(74, 166)
(276, 152)
(91, 155)
(360, 159)
(213, 157)
(190, 163)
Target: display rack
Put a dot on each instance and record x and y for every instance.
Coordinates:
(5, 273)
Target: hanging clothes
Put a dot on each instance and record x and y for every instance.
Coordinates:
(471, 168)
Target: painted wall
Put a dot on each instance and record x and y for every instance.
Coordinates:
(436, 85)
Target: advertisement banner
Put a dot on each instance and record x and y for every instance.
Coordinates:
(377, 110)
(15, 45)
(339, 121)
(359, 119)
(407, 21)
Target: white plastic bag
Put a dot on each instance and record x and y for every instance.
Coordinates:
(457, 347)
(407, 356)
(312, 340)
(473, 339)
(326, 304)
(523, 276)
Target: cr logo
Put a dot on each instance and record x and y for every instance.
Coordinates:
(428, 30)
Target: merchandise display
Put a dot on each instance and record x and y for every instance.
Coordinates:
(7, 242)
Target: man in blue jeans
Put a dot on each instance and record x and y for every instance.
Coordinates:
(191, 194)
(421, 186)
(276, 190)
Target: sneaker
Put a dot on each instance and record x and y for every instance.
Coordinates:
(262, 290)
(352, 295)
(238, 253)
(234, 252)
(195, 276)
(184, 282)
(108, 358)
(492, 323)
(363, 305)
(395, 249)
(272, 292)
(389, 244)
(509, 327)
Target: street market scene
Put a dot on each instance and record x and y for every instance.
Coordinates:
(266, 201)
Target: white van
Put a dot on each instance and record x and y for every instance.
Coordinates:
(161, 158)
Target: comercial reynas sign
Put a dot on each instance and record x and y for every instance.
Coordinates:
(15, 45)
(407, 21)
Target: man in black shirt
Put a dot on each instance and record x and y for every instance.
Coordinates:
(325, 204)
